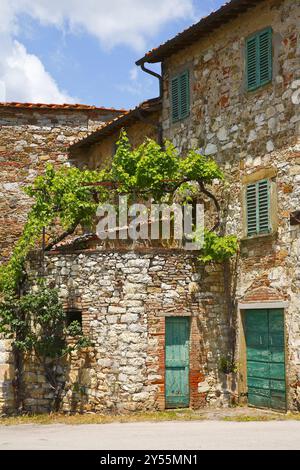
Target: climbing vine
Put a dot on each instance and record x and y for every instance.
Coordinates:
(62, 199)
(68, 197)
(36, 324)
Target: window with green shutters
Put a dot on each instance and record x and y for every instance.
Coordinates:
(258, 208)
(259, 59)
(180, 96)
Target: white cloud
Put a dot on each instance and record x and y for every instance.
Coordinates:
(24, 78)
(113, 22)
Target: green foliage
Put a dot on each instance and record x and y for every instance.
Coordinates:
(35, 323)
(124, 165)
(146, 169)
(227, 365)
(156, 168)
(66, 198)
(218, 248)
(64, 194)
(11, 273)
(196, 167)
(151, 170)
(62, 198)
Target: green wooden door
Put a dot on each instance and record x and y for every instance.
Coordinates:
(266, 358)
(177, 362)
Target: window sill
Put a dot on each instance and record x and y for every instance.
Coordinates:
(178, 121)
(259, 89)
(269, 235)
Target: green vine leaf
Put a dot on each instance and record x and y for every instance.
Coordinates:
(67, 197)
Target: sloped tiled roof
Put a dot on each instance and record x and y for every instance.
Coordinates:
(205, 26)
(117, 123)
(70, 106)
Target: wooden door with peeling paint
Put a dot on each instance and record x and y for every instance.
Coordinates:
(266, 358)
(177, 362)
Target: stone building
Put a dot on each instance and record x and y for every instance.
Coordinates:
(97, 150)
(231, 87)
(162, 323)
(32, 135)
(126, 299)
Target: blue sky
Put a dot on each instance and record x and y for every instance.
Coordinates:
(85, 51)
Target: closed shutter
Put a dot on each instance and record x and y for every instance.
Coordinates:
(258, 208)
(265, 57)
(259, 58)
(251, 210)
(180, 99)
(175, 99)
(251, 64)
(263, 207)
(184, 95)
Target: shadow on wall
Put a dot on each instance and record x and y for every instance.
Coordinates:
(7, 376)
(219, 386)
(80, 381)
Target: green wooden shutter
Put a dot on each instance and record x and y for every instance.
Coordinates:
(263, 206)
(265, 57)
(252, 79)
(251, 209)
(180, 99)
(175, 99)
(258, 208)
(184, 88)
(259, 59)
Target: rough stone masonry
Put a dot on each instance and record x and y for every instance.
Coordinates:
(32, 135)
(253, 135)
(124, 298)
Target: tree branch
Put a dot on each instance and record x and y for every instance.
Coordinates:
(216, 203)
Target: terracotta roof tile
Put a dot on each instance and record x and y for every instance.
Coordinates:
(117, 123)
(66, 106)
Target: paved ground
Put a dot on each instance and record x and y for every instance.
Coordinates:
(192, 435)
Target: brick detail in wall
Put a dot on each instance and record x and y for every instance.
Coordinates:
(125, 298)
(29, 139)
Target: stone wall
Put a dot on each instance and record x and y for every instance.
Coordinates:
(252, 136)
(7, 375)
(226, 121)
(31, 137)
(124, 298)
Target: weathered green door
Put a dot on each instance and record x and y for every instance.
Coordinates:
(266, 358)
(177, 362)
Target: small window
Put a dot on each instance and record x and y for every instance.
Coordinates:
(259, 59)
(73, 316)
(180, 96)
(258, 208)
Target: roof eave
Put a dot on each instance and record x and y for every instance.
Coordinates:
(59, 107)
(205, 26)
(118, 123)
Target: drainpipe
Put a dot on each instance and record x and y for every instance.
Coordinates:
(156, 75)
